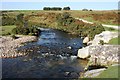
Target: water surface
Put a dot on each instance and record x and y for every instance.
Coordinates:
(53, 55)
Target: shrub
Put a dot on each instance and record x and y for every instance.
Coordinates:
(8, 33)
(7, 20)
(20, 20)
(13, 36)
(65, 15)
(64, 19)
(14, 31)
(26, 30)
(20, 17)
(101, 42)
(69, 24)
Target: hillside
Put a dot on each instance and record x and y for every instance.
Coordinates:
(64, 20)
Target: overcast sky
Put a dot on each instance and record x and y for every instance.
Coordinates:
(73, 5)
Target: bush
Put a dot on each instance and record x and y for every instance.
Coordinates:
(71, 25)
(66, 15)
(26, 30)
(101, 42)
(64, 19)
(7, 20)
(8, 33)
(14, 31)
(13, 36)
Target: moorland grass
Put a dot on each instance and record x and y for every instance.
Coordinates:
(115, 41)
(111, 72)
(110, 29)
(104, 17)
(6, 30)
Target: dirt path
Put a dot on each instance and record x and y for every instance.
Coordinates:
(105, 25)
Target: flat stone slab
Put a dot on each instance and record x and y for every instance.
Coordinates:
(93, 73)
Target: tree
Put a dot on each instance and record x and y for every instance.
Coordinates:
(53, 8)
(91, 10)
(84, 9)
(46, 8)
(66, 8)
(56, 8)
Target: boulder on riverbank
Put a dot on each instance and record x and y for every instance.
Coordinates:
(86, 40)
(104, 55)
(109, 72)
(104, 36)
(100, 54)
(83, 53)
(93, 73)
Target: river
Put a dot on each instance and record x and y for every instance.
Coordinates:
(53, 55)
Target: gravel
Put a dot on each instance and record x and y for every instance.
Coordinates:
(8, 45)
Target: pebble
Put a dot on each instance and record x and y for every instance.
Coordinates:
(69, 47)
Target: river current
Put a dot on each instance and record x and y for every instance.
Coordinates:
(55, 57)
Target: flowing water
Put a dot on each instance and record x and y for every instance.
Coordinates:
(53, 55)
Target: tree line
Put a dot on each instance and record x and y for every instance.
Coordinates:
(56, 8)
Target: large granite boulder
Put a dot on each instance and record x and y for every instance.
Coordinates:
(104, 36)
(100, 54)
(104, 55)
(83, 53)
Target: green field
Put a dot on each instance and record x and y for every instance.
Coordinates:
(111, 72)
(6, 29)
(115, 41)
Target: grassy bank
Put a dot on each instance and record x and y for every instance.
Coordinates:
(115, 41)
(6, 30)
(111, 72)
(62, 20)
(110, 29)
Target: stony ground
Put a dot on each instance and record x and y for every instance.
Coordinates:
(8, 45)
(104, 54)
(100, 55)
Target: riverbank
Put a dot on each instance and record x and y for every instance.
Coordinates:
(102, 56)
(9, 45)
